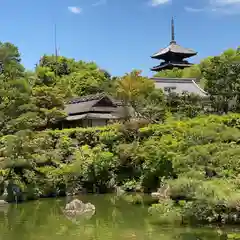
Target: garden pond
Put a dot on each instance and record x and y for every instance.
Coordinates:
(115, 219)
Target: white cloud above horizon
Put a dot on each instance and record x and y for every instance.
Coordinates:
(224, 2)
(191, 9)
(226, 7)
(75, 9)
(155, 3)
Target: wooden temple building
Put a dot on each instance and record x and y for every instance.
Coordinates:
(174, 55)
(94, 110)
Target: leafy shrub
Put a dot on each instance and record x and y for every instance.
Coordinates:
(212, 201)
(166, 212)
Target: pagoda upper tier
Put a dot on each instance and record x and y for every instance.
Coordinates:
(173, 55)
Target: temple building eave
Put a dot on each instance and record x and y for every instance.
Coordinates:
(167, 55)
(176, 50)
(169, 66)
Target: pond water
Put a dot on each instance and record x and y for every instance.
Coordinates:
(115, 219)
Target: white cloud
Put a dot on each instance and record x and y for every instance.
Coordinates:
(155, 3)
(100, 2)
(74, 9)
(227, 7)
(224, 2)
(191, 9)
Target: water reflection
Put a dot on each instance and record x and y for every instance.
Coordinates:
(114, 219)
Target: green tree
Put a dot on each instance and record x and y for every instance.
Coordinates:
(185, 105)
(192, 72)
(17, 110)
(49, 103)
(10, 61)
(222, 74)
(132, 87)
(153, 107)
(173, 73)
(73, 77)
(86, 82)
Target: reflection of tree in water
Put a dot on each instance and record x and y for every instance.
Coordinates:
(29, 219)
(3, 218)
(203, 235)
(114, 220)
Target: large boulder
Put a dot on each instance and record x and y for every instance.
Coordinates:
(77, 209)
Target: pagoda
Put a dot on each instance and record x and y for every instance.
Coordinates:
(173, 55)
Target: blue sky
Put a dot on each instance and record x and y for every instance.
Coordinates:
(120, 35)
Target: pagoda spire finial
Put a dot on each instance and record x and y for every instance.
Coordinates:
(172, 31)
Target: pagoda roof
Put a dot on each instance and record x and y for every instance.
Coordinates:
(175, 48)
(171, 65)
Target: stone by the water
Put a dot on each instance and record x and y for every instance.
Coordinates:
(77, 208)
(156, 195)
(3, 202)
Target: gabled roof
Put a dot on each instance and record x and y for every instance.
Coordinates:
(79, 107)
(173, 47)
(90, 107)
(86, 104)
(86, 98)
(93, 97)
(179, 85)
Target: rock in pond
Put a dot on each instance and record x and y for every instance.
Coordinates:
(3, 202)
(77, 209)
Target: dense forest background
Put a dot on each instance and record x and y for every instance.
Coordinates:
(189, 143)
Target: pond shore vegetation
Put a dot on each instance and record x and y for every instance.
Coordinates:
(182, 143)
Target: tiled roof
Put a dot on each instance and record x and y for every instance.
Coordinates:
(79, 107)
(179, 85)
(86, 98)
(174, 48)
(92, 97)
(85, 104)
